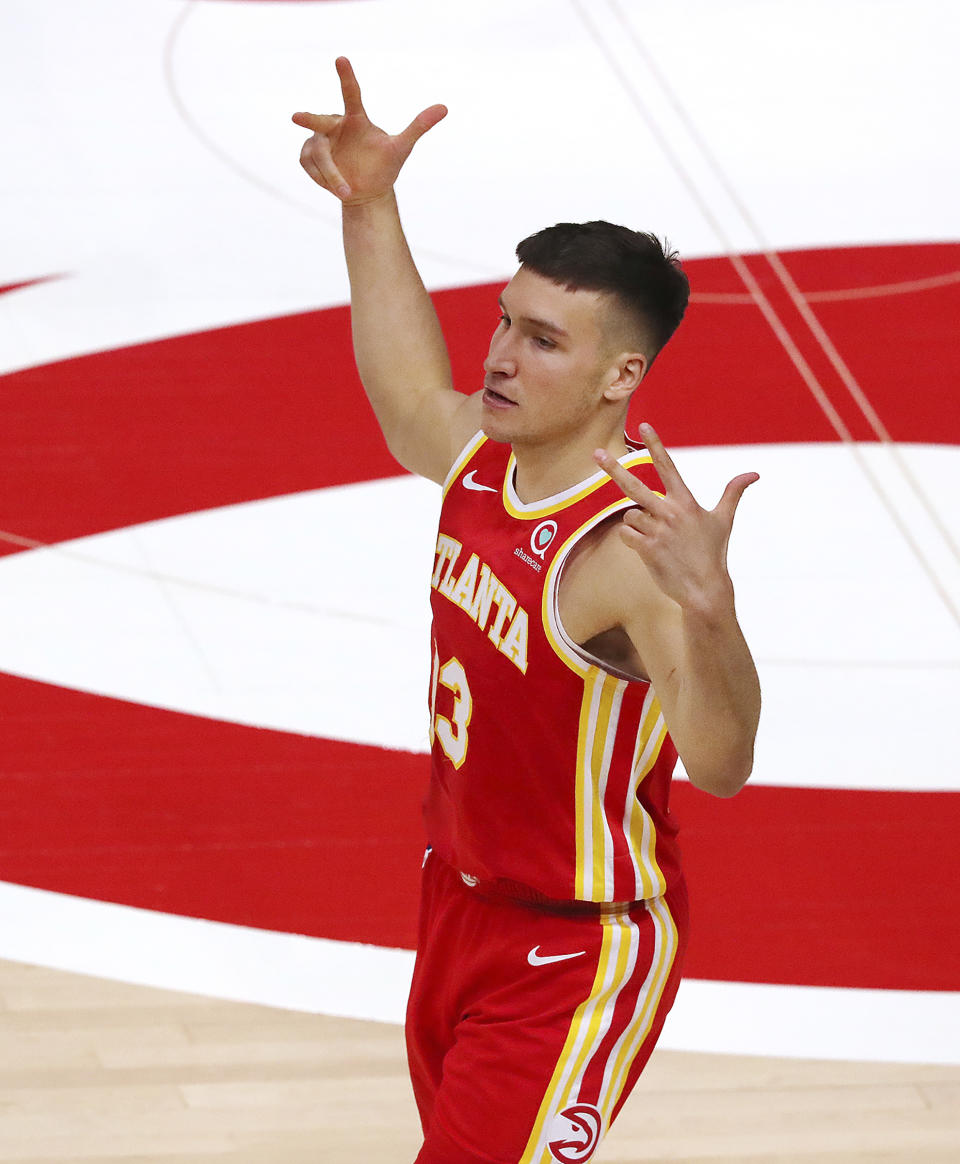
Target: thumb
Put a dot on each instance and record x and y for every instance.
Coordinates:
(734, 491)
(421, 123)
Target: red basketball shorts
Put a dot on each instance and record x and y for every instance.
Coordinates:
(527, 1027)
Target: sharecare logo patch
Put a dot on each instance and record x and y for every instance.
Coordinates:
(542, 536)
(584, 1129)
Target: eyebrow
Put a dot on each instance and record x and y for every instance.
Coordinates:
(537, 324)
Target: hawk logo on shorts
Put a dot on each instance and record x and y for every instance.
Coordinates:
(586, 1128)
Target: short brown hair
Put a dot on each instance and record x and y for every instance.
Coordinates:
(634, 268)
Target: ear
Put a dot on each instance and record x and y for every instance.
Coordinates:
(625, 374)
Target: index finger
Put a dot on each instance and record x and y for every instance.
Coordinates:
(662, 461)
(632, 486)
(349, 87)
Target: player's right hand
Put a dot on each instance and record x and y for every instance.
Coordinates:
(349, 155)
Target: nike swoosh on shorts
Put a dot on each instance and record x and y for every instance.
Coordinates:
(536, 959)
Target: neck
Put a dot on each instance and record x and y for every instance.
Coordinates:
(544, 470)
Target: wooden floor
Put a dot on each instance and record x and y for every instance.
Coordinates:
(97, 1071)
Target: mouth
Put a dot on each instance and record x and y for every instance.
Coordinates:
(495, 399)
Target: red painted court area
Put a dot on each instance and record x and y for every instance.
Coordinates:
(274, 407)
(119, 802)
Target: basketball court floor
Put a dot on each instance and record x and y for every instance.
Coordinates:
(213, 661)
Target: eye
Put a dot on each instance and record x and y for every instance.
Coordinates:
(504, 319)
(546, 344)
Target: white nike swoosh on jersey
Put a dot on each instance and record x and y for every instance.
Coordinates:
(536, 959)
(469, 483)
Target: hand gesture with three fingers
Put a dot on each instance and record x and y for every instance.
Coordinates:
(349, 155)
(683, 546)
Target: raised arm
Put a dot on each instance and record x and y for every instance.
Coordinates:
(399, 348)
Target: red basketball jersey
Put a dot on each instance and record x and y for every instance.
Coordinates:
(549, 770)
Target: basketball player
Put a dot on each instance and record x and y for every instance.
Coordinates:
(584, 633)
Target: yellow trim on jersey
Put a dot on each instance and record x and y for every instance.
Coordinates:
(584, 806)
(517, 508)
(643, 835)
(466, 453)
(637, 823)
(599, 719)
(562, 645)
(595, 737)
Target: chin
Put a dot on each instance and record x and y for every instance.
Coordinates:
(493, 427)
(490, 432)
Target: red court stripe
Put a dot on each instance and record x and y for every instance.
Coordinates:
(120, 437)
(824, 887)
(275, 407)
(120, 802)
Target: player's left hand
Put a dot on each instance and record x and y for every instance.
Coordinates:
(683, 546)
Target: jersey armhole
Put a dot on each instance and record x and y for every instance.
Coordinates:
(463, 459)
(570, 652)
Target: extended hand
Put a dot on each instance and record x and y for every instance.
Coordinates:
(350, 156)
(683, 546)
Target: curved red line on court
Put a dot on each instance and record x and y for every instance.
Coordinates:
(273, 407)
(120, 802)
(23, 284)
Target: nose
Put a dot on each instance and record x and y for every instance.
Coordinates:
(500, 360)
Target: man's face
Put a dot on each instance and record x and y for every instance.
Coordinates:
(547, 364)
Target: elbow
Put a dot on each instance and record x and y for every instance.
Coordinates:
(725, 788)
(721, 780)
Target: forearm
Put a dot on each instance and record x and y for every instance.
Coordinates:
(399, 348)
(717, 707)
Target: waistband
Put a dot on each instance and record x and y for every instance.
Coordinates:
(500, 889)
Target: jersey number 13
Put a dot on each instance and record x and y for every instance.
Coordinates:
(452, 732)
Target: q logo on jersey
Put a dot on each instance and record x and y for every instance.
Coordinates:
(542, 536)
(586, 1128)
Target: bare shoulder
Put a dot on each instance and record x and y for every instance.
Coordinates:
(612, 607)
(606, 585)
(465, 422)
(437, 439)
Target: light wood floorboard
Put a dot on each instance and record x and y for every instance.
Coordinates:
(109, 1073)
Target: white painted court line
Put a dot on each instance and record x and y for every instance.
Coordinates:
(370, 982)
(257, 614)
(698, 166)
(173, 240)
